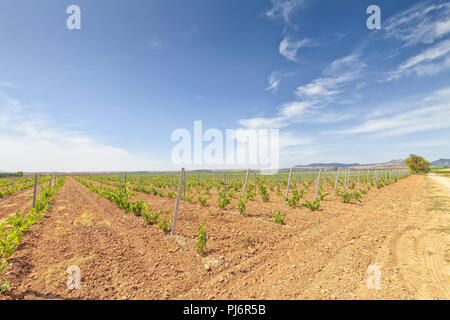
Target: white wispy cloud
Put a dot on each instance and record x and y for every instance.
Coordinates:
(312, 96)
(33, 142)
(425, 22)
(289, 113)
(430, 61)
(295, 112)
(340, 73)
(284, 9)
(274, 80)
(427, 114)
(289, 48)
(345, 81)
(267, 123)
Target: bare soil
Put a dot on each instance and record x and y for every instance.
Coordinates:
(21, 200)
(403, 228)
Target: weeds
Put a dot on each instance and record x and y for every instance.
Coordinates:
(278, 217)
(164, 224)
(139, 208)
(347, 196)
(201, 238)
(313, 206)
(223, 201)
(296, 196)
(203, 200)
(241, 205)
(263, 190)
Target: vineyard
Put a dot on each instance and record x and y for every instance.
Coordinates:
(295, 234)
(234, 191)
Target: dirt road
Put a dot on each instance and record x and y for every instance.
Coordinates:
(444, 181)
(402, 229)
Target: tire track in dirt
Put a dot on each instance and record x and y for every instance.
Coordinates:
(332, 262)
(319, 255)
(417, 250)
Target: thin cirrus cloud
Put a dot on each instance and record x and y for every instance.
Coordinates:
(345, 73)
(36, 143)
(313, 95)
(286, 115)
(431, 61)
(295, 112)
(337, 75)
(430, 113)
(284, 9)
(425, 22)
(289, 48)
(274, 80)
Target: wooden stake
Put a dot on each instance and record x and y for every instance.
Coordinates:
(125, 183)
(278, 179)
(287, 188)
(318, 184)
(184, 185)
(34, 190)
(225, 181)
(246, 181)
(337, 180)
(177, 203)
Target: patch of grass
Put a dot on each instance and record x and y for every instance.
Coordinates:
(89, 218)
(438, 206)
(443, 229)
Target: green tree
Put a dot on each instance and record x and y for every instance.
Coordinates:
(417, 164)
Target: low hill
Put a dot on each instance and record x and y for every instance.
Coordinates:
(441, 163)
(390, 164)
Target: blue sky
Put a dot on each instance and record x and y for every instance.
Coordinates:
(108, 96)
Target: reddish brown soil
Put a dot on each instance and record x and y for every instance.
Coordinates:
(402, 228)
(21, 200)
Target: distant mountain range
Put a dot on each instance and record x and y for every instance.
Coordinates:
(390, 164)
(441, 163)
(328, 165)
